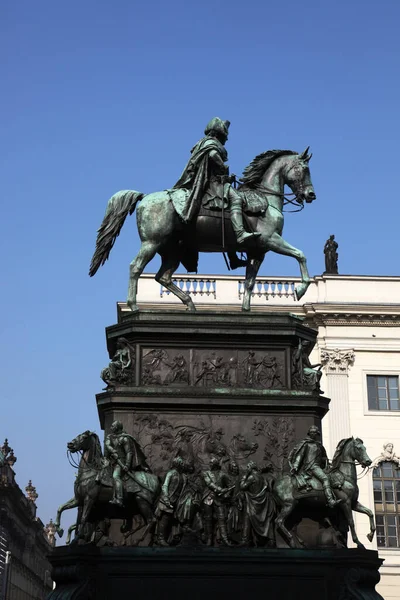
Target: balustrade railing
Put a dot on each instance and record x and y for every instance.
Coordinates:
(270, 288)
(194, 287)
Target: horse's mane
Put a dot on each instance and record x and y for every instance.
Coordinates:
(256, 169)
(97, 451)
(338, 452)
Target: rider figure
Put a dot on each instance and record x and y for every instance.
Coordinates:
(206, 176)
(309, 458)
(125, 455)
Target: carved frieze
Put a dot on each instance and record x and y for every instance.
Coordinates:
(165, 367)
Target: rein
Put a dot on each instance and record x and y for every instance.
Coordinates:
(286, 200)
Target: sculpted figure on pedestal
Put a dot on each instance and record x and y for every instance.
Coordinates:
(331, 256)
(189, 218)
(259, 509)
(120, 368)
(125, 455)
(309, 459)
(172, 488)
(319, 494)
(214, 502)
(305, 375)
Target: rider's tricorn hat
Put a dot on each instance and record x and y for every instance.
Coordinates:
(217, 125)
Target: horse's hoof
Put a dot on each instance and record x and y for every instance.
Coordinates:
(60, 532)
(370, 536)
(134, 307)
(360, 546)
(245, 308)
(191, 308)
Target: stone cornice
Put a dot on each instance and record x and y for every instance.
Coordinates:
(337, 361)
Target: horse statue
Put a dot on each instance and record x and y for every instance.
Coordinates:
(312, 504)
(162, 230)
(93, 491)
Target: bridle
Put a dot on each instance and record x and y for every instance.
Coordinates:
(296, 201)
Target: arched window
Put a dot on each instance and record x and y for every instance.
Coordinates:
(386, 478)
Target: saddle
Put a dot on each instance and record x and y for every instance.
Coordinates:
(305, 486)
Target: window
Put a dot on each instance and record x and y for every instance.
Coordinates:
(383, 392)
(386, 479)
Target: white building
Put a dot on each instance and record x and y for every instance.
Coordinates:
(358, 322)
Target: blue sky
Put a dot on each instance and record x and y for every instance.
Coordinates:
(100, 96)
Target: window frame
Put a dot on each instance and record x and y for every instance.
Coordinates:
(378, 373)
(384, 513)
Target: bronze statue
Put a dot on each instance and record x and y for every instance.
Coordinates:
(331, 256)
(207, 178)
(214, 502)
(188, 504)
(125, 455)
(172, 488)
(307, 460)
(235, 510)
(259, 508)
(305, 374)
(94, 488)
(119, 364)
(179, 233)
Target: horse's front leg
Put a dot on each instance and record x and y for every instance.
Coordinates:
(277, 244)
(253, 265)
(347, 510)
(360, 508)
(73, 503)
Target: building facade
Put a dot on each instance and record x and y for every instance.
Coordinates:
(358, 323)
(25, 542)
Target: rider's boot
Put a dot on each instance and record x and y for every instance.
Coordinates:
(162, 531)
(118, 493)
(235, 262)
(330, 496)
(237, 220)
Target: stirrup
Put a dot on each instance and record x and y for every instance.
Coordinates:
(245, 235)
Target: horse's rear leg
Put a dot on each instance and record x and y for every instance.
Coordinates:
(277, 244)
(146, 253)
(253, 265)
(170, 263)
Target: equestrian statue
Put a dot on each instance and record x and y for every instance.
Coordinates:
(203, 212)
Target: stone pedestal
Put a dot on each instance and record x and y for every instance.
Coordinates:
(87, 573)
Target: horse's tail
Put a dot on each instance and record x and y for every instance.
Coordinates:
(118, 208)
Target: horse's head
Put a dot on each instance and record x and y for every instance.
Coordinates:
(298, 177)
(360, 453)
(82, 442)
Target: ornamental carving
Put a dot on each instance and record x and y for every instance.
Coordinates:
(162, 367)
(337, 361)
(388, 455)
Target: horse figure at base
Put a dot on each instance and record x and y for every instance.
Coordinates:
(343, 478)
(94, 490)
(163, 231)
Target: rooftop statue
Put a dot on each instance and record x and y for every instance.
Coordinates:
(203, 212)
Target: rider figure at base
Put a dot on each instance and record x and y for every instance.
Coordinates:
(207, 178)
(309, 459)
(125, 456)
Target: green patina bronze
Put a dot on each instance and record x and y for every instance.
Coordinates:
(190, 217)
